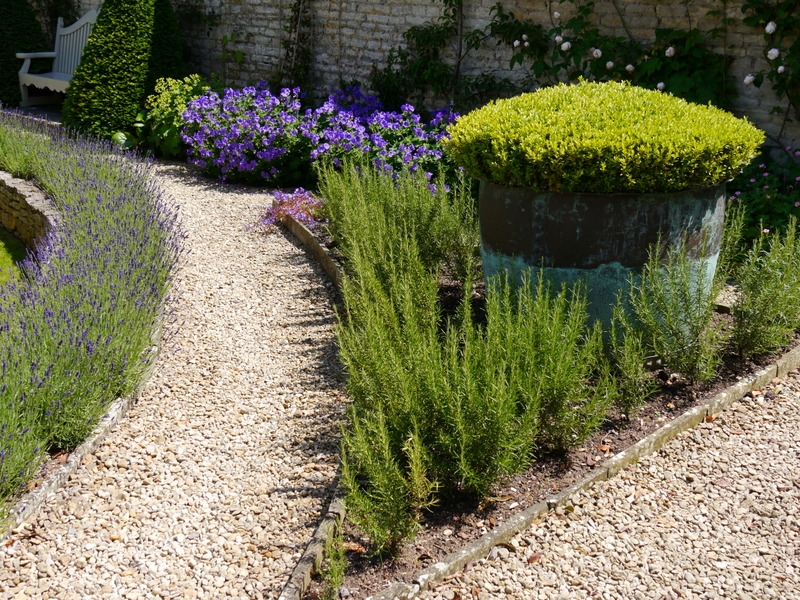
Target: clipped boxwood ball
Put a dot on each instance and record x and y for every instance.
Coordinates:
(602, 138)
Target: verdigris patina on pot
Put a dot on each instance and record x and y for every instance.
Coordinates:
(601, 239)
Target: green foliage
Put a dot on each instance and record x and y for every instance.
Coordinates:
(602, 138)
(19, 32)
(443, 406)
(158, 127)
(12, 251)
(295, 66)
(769, 187)
(780, 22)
(420, 69)
(166, 49)
(333, 569)
(685, 67)
(674, 305)
(678, 62)
(132, 44)
(559, 365)
(767, 309)
(627, 350)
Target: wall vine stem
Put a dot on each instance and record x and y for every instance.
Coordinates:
(622, 20)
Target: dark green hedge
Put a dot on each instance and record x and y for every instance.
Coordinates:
(132, 44)
(19, 32)
(166, 58)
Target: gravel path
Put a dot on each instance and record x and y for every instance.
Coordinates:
(216, 479)
(714, 514)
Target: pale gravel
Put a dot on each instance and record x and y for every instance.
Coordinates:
(213, 483)
(715, 514)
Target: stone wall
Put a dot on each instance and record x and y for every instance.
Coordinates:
(350, 36)
(24, 209)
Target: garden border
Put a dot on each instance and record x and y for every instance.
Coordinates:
(31, 501)
(454, 562)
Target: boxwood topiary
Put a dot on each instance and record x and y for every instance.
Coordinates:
(19, 32)
(602, 138)
(133, 43)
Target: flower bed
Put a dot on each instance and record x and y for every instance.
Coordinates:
(253, 136)
(78, 328)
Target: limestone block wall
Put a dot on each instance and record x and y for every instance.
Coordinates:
(24, 209)
(350, 36)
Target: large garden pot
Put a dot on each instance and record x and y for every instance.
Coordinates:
(601, 239)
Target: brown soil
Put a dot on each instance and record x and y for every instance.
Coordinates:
(452, 525)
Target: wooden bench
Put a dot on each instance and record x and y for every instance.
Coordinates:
(69, 45)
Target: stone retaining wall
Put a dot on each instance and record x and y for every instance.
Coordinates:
(24, 209)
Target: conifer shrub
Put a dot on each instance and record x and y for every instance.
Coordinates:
(19, 32)
(126, 52)
(167, 48)
(602, 138)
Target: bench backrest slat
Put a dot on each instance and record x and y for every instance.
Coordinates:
(70, 42)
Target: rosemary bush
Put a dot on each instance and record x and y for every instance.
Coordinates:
(674, 304)
(767, 310)
(627, 349)
(443, 406)
(78, 327)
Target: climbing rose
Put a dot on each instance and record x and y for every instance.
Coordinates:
(771, 27)
(749, 79)
(781, 69)
(610, 65)
(558, 39)
(670, 52)
(629, 68)
(597, 53)
(773, 54)
(661, 85)
(565, 46)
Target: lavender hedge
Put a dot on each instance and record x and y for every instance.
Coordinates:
(78, 327)
(253, 136)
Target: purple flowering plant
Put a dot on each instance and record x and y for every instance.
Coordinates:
(253, 136)
(77, 328)
(303, 206)
(248, 135)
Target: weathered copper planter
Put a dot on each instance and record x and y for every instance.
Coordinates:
(599, 238)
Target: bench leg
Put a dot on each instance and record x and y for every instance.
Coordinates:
(23, 91)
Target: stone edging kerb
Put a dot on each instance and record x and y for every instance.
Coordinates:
(480, 548)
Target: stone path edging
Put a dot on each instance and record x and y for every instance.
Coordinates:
(478, 549)
(32, 501)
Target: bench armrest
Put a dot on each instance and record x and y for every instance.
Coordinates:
(27, 56)
(36, 54)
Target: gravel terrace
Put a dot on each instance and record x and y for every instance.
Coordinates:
(213, 483)
(715, 514)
